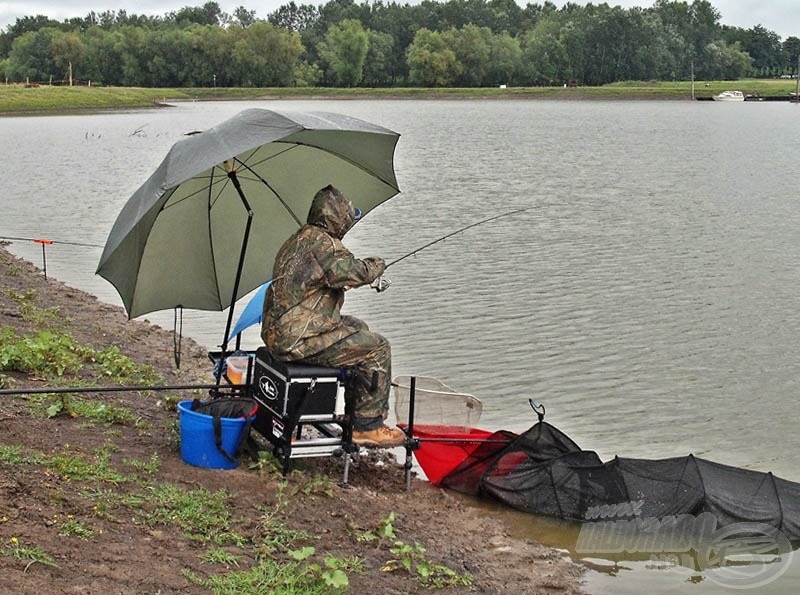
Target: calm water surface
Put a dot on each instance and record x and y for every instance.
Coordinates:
(649, 298)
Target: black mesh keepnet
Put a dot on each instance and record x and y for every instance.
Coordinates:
(544, 472)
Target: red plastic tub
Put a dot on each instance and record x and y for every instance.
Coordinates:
(443, 448)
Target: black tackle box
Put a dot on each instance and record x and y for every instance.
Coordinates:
(294, 393)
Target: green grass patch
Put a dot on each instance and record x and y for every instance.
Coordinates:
(149, 467)
(18, 98)
(28, 309)
(202, 515)
(73, 528)
(275, 536)
(30, 554)
(44, 354)
(74, 467)
(299, 576)
(13, 455)
(220, 556)
(94, 411)
(114, 365)
(53, 355)
(411, 558)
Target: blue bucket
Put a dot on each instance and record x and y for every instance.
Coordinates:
(198, 446)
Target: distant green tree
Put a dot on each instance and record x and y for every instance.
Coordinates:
(166, 58)
(505, 60)
(68, 50)
(130, 44)
(703, 32)
(378, 70)
(293, 17)
(116, 56)
(506, 17)
(306, 75)
(727, 62)
(472, 47)
(764, 47)
(690, 29)
(266, 56)
(208, 14)
(544, 59)
(345, 50)
(21, 26)
(401, 23)
(431, 62)
(243, 17)
(212, 49)
(791, 52)
(655, 52)
(31, 58)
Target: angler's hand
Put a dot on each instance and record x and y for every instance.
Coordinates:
(380, 284)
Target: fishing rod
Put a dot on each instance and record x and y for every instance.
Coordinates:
(458, 231)
(114, 389)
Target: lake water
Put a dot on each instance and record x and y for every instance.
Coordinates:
(648, 296)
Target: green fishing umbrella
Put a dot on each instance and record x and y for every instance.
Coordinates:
(204, 229)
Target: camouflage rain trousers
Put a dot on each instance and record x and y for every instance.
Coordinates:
(367, 357)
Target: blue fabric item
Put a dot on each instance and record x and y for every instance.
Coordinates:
(252, 311)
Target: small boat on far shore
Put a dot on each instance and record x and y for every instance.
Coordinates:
(729, 96)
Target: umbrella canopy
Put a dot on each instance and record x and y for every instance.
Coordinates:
(204, 229)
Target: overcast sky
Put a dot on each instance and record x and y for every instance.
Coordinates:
(780, 16)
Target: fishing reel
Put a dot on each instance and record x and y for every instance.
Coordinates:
(380, 284)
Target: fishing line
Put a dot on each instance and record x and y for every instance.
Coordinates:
(451, 234)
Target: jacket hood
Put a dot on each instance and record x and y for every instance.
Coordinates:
(332, 211)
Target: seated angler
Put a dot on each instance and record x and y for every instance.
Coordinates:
(302, 320)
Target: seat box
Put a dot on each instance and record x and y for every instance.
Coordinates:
(281, 387)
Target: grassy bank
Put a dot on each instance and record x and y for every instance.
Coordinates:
(95, 496)
(21, 99)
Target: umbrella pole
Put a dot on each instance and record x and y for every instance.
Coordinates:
(235, 181)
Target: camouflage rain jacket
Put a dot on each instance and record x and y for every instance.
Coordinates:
(312, 269)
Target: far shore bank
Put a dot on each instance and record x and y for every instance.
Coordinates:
(22, 100)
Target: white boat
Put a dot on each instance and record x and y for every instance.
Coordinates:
(729, 96)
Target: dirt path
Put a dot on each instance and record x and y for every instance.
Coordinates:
(99, 500)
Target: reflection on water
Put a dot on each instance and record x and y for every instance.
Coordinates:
(648, 297)
(655, 568)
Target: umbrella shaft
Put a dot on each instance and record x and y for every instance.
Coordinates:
(235, 181)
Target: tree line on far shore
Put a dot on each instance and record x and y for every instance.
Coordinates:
(452, 43)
